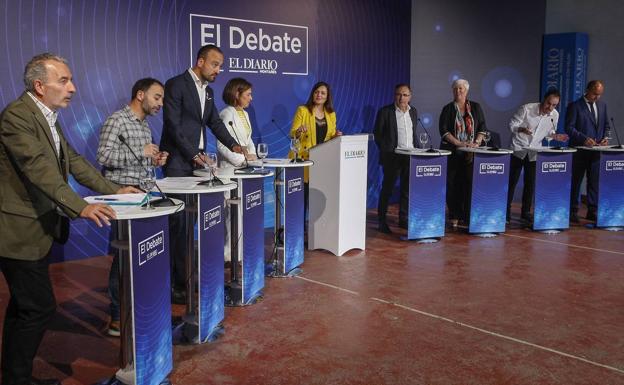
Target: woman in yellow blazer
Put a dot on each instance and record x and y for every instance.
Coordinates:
(314, 122)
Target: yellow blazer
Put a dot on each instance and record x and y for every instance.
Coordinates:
(307, 140)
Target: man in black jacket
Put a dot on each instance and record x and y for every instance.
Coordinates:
(395, 127)
(188, 108)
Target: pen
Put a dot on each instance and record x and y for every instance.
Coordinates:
(105, 199)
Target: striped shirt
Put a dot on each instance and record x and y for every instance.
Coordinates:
(50, 117)
(120, 166)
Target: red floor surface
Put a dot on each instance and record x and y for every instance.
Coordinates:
(521, 308)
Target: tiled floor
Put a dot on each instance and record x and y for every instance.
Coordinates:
(521, 308)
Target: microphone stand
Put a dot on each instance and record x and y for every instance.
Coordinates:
(617, 137)
(296, 159)
(431, 149)
(162, 202)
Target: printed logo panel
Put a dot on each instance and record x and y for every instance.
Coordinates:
(252, 46)
(151, 247)
(253, 199)
(212, 217)
(429, 170)
(295, 185)
(554, 166)
(492, 168)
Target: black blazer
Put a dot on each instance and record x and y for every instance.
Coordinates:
(386, 130)
(183, 122)
(447, 122)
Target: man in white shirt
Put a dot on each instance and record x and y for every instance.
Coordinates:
(529, 126)
(395, 127)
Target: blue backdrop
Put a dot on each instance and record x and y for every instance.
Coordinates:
(361, 48)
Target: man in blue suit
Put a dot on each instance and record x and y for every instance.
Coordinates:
(188, 108)
(587, 125)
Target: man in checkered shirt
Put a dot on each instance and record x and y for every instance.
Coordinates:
(121, 166)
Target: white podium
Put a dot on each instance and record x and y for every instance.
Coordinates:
(337, 216)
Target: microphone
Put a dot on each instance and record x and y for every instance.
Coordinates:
(429, 136)
(162, 202)
(239, 143)
(617, 137)
(247, 169)
(552, 122)
(280, 129)
(296, 158)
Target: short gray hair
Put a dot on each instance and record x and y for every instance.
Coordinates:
(461, 82)
(36, 70)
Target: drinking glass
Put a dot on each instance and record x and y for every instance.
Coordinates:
(423, 139)
(549, 137)
(147, 183)
(263, 151)
(486, 137)
(294, 146)
(608, 136)
(211, 165)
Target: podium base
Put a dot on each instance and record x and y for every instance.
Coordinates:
(187, 333)
(275, 273)
(234, 295)
(421, 240)
(549, 231)
(486, 235)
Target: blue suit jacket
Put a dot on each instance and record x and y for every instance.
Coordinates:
(580, 124)
(183, 122)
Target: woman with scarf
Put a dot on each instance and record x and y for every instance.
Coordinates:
(462, 124)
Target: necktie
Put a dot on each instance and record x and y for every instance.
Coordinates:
(593, 111)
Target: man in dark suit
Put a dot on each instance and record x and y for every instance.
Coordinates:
(35, 203)
(189, 107)
(395, 127)
(587, 125)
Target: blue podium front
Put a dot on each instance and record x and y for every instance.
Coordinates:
(553, 181)
(611, 189)
(490, 183)
(427, 193)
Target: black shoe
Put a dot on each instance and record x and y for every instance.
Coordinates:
(383, 228)
(178, 296)
(48, 381)
(574, 218)
(403, 224)
(591, 216)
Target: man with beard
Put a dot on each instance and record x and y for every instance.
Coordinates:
(120, 165)
(189, 108)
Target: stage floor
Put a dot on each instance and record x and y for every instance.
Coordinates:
(520, 308)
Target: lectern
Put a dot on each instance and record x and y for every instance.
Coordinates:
(337, 216)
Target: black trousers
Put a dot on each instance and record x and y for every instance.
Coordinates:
(516, 166)
(585, 162)
(394, 165)
(177, 241)
(30, 308)
(459, 185)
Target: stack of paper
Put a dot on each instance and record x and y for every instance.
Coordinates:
(118, 199)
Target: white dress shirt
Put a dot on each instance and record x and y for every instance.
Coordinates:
(405, 127)
(529, 116)
(201, 91)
